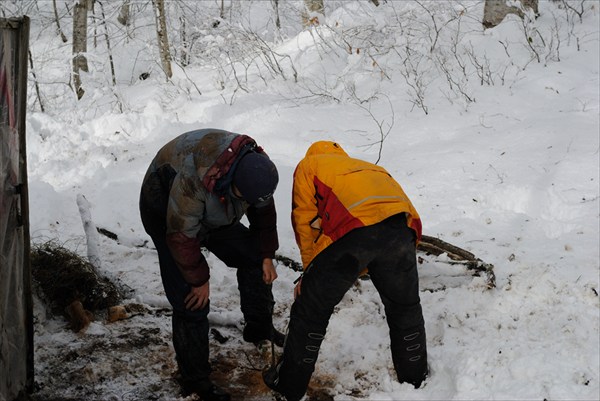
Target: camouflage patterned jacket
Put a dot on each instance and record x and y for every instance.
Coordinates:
(186, 193)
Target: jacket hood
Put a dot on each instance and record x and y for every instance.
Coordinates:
(325, 147)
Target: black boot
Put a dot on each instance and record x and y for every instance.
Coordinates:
(207, 390)
(409, 354)
(256, 332)
(271, 379)
(291, 375)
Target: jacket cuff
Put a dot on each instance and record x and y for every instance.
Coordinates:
(189, 259)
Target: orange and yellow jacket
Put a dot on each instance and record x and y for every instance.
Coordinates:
(334, 194)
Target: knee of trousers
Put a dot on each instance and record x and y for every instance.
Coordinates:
(404, 317)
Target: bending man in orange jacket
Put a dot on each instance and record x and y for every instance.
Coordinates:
(349, 215)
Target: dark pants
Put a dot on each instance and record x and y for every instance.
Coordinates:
(387, 249)
(236, 247)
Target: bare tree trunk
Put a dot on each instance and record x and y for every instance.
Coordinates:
(495, 11)
(91, 4)
(376, 2)
(106, 37)
(163, 40)
(313, 10)
(79, 44)
(184, 58)
(62, 35)
(35, 81)
(217, 21)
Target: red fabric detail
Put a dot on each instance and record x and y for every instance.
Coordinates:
(225, 160)
(6, 97)
(189, 259)
(415, 224)
(336, 220)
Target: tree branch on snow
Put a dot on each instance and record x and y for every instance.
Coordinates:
(436, 246)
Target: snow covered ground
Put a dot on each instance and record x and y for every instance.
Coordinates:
(502, 160)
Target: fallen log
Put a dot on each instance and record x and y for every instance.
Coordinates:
(428, 245)
(437, 247)
(431, 246)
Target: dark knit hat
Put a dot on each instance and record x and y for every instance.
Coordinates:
(256, 177)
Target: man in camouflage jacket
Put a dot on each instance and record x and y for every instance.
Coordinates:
(194, 194)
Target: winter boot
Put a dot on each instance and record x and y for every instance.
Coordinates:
(409, 354)
(256, 332)
(271, 379)
(207, 390)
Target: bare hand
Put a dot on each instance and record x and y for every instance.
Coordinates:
(269, 272)
(198, 297)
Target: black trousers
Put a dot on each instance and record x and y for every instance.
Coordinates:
(388, 250)
(237, 247)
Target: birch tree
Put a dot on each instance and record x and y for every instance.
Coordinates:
(163, 39)
(80, 63)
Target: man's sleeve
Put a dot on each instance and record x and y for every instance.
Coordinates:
(184, 211)
(305, 220)
(189, 259)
